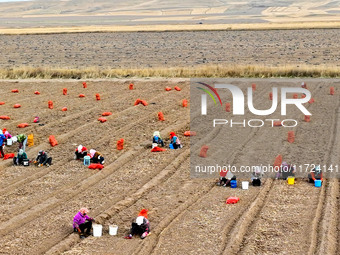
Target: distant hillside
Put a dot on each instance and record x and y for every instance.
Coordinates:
(51, 13)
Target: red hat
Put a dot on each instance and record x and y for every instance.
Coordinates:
(144, 213)
(223, 172)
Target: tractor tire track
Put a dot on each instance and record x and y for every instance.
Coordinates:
(328, 203)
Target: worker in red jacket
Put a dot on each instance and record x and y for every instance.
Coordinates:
(80, 152)
(141, 226)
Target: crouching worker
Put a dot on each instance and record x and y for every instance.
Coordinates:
(256, 176)
(157, 139)
(141, 226)
(174, 141)
(7, 135)
(43, 159)
(225, 178)
(96, 157)
(20, 158)
(285, 171)
(80, 152)
(82, 223)
(315, 174)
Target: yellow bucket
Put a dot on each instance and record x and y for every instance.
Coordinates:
(291, 180)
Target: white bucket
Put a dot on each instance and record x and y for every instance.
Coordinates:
(245, 185)
(9, 142)
(154, 145)
(113, 230)
(97, 230)
(25, 162)
(14, 139)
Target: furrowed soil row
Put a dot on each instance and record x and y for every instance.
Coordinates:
(67, 187)
(240, 225)
(267, 206)
(220, 128)
(195, 219)
(79, 131)
(45, 172)
(84, 101)
(248, 218)
(235, 231)
(71, 118)
(155, 243)
(178, 211)
(101, 209)
(38, 106)
(326, 232)
(89, 183)
(163, 175)
(110, 212)
(36, 210)
(184, 192)
(54, 125)
(152, 247)
(114, 210)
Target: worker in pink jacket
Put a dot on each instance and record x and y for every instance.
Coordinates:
(82, 223)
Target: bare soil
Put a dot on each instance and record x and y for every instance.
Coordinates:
(172, 49)
(188, 216)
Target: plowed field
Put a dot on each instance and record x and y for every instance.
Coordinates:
(188, 216)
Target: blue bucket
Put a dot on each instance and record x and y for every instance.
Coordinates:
(233, 184)
(317, 183)
(171, 146)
